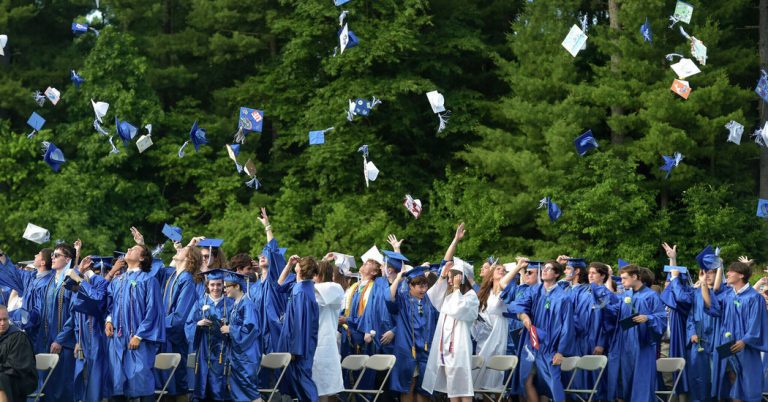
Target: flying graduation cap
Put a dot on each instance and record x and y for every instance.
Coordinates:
(318, 137)
(575, 41)
(53, 156)
(347, 38)
(361, 107)
(437, 102)
(36, 122)
(76, 78)
(250, 120)
(3, 42)
(36, 234)
(370, 171)
(762, 208)
(671, 162)
(413, 206)
(173, 233)
(735, 130)
(553, 210)
(53, 95)
(585, 142)
(79, 29)
(709, 258)
(683, 13)
(197, 136)
(100, 109)
(645, 30)
(233, 150)
(762, 86)
(250, 170)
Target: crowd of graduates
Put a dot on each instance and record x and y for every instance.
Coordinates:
(107, 319)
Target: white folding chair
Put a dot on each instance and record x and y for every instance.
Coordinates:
(375, 363)
(44, 362)
(589, 363)
(670, 365)
(501, 363)
(477, 362)
(275, 361)
(353, 363)
(166, 361)
(191, 363)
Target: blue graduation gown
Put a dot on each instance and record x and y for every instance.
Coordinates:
(243, 351)
(208, 345)
(57, 325)
(551, 312)
(743, 317)
(299, 338)
(31, 286)
(637, 345)
(272, 303)
(91, 366)
(136, 308)
(678, 296)
(415, 324)
(609, 338)
(519, 336)
(588, 335)
(699, 361)
(179, 294)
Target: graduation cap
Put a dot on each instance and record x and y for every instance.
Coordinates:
(685, 68)
(681, 87)
(370, 171)
(210, 243)
(361, 107)
(39, 98)
(69, 283)
(347, 38)
(197, 136)
(234, 277)
(79, 29)
(36, 122)
(53, 156)
(413, 206)
(585, 142)
(671, 162)
(553, 210)
(250, 170)
(621, 264)
(3, 42)
(53, 95)
(344, 262)
(510, 266)
(101, 263)
(126, 131)
(575, 40)
(250, 120)
(437, 102)
(683, 13)
(394, 260)
(645, 30)
(100, 110)
(172, 232)
(36, 234)
(464, 267)
(145, 141)
(576, 263)
(415, 273)
(761, 135)
(762, 208)
(233, 150)
(340, 2)
(762, 86)
(216, 274)
(76, 79)
(709, 258)
(735, 130)
(670, 268)
(318, 137)
(373, 253)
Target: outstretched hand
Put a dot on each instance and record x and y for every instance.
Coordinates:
(264, 219)
(137, 236)
(460, 232)
(671, 251)
(392, 240)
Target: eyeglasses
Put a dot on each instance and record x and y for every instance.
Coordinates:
(205, 256)
(228, 286)
(529, 272)
(57, 255)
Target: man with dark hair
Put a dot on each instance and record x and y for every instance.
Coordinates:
(737, 370)
(18, 376)
(546, 310)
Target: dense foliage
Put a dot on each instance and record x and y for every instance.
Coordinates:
(518, 101)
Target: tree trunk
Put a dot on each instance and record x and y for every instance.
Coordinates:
(617, 137)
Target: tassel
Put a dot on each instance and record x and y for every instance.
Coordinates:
(342, 17)
(114, 148)
(32, 134)
(253, 183)
(413, 351)
(443, 120)
(95, 32)
(181, 150)
(374, 102)
(39, 98)
(671, 56)
(239, 136)
(99, 128)
(685, 34)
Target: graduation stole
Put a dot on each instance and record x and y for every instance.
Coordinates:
(350, 294)
(413, 324)
(364, 294)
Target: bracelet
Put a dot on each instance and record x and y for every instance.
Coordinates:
(267, 228)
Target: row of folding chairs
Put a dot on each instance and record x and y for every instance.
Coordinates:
(500, 363)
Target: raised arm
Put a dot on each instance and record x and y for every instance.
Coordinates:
(522, 263)
(393, 287)
(264, 219)
(455, 242)
(718, 279)
(705, 289)
(287, 270)
(392, 240)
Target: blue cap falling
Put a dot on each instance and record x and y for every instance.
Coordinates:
(671, 162)
(622, 263)
(318, 137)
(585, 142)
(340, 2)
(762, 86)
(709, 258)
(553, 210)
(762, 208)
(210, 243)
(172, 232)
(394, 260)
(233, 150)
(645, 30)
(347, 38)
(196, 136)
(361, 107)
(576, 263)
(76, 79)
(79, 29)
(53, 156)
(250, 120)
(36, 122)
(126, 131)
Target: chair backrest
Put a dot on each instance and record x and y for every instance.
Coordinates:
(167, 361)
(477, 362)
(276, 360)
(46, 361)
(569, 363)
(502, 363)
(592, 362)
(354, 362)
(670, 364)
(380, 362)
(191, 360)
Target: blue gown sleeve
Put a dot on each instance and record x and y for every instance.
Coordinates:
(67, 334)
(15, 279)
(245, 335)
(151, 327)
(176, 317)
(566, 345)
(287, 286)
(678, 296)
(300, 325)
(523, 303)
(190, 326)
(757, 324)
(652, 329)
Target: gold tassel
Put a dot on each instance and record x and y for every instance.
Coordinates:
(426, 347)
(413, 351)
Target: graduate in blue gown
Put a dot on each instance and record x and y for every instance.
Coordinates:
(577, 287)
(596, 338)
(135, 327)
(203, 330)
(638, 336)
(179, 295)
(242, 346)
(414, 318)
(737, 373)
(549, 309)
(700, 334)
(678, 297)
(272, 302)
(90, 304)
(299, 334)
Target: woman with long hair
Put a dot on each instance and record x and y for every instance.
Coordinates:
(326, 368)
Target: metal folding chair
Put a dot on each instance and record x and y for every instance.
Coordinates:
(275, 361)
(375, 363)
(44, 362)
(166, 361)
(501, 363)
(589, 363)
(670, 365)
(191, 362)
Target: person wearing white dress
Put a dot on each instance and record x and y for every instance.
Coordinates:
(449, 368)
(497, 326)
(326, 369)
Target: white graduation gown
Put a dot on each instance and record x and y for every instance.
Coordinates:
(326, 368)
(450, 370)
(494, 344)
